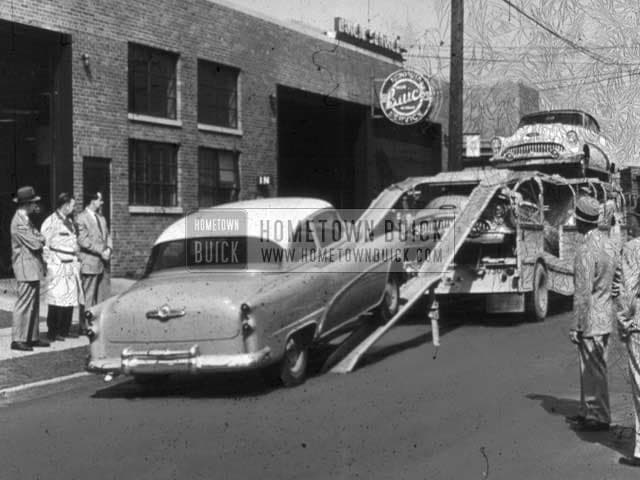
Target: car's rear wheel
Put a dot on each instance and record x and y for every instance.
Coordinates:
(390, 300)
(293, 367)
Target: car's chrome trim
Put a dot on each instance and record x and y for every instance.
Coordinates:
(134, 362)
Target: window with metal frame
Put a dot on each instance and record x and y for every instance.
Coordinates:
(152, 82)
(153, 173)
(218, 176)
(217, 95)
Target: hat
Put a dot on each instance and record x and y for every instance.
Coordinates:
(587, 210)
(25, 195)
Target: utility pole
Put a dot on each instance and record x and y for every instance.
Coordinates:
(455, 86)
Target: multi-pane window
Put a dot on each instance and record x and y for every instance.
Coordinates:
(152, 81)
(153, 173)
(217, 95)
(218, 179)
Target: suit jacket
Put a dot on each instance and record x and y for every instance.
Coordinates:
(595, 264)
(93, 239)
(26, 249)
(627, 286)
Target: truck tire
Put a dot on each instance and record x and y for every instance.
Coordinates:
(537, 301)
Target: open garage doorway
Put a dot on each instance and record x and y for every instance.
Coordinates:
(35, 121)
(321, 140)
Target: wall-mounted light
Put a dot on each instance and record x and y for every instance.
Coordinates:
(273, 103)
(85, 60)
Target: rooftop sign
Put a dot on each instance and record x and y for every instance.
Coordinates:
(366, 38)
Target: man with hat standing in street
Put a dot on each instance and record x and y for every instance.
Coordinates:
(594, 267)
(628, 315)
(28, 268)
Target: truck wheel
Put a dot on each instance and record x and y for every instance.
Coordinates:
(390, 300)
(293, 368)
(537, 301)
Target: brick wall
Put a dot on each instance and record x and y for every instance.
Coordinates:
(266, 53)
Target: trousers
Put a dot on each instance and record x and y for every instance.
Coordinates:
(91, 285)
(59, 321)
(26, 313)
(594, 384)
(633, 348)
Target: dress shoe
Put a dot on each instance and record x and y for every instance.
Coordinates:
(21, 346)
(630, 461)
(590, 425)
(40, 343)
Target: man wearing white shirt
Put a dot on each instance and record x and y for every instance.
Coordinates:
(95, 252)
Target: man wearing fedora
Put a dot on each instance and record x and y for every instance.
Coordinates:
(28, 268)
(627, 305)
(594, 266)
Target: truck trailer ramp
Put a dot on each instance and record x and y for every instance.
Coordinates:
(428, 276)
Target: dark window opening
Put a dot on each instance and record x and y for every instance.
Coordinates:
(153, 173)
(218, 177)
(217, 94)
(152, 81)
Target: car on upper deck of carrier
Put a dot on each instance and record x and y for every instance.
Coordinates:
(565, 142)
(219, 296)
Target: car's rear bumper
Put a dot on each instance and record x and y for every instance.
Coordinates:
(163, 362)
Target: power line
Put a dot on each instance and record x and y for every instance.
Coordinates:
(629, 74)
(569, 42)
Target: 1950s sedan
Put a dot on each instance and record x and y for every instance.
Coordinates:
(246, 285)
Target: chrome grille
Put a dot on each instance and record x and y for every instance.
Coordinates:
(538, 147)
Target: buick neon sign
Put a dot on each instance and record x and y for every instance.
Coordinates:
(406, 97)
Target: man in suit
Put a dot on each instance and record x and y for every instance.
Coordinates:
(28, 267)
(594, 266)
(95, 252)
(627, 287)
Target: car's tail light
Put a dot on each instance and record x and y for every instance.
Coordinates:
(248, 323)
(496, 145)
(572, 136)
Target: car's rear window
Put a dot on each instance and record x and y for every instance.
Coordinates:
(566, 118)
(215, 253)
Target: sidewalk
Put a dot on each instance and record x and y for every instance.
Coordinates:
(8, 294)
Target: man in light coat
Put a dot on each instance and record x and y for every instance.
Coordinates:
(594, 267)
(627, 303)
(28, 268)
(63, 287)
(95, 252)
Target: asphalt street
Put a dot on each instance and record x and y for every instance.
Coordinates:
(489, 406)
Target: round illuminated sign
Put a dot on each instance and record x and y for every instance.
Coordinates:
(406, 97)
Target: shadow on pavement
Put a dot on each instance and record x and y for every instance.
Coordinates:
(618, 438)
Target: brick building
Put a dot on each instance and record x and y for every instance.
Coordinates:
(166, 106)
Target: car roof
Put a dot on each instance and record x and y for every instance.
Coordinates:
(567, 110)
(260, 212)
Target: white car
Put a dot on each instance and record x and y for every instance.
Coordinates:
(567, 142)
